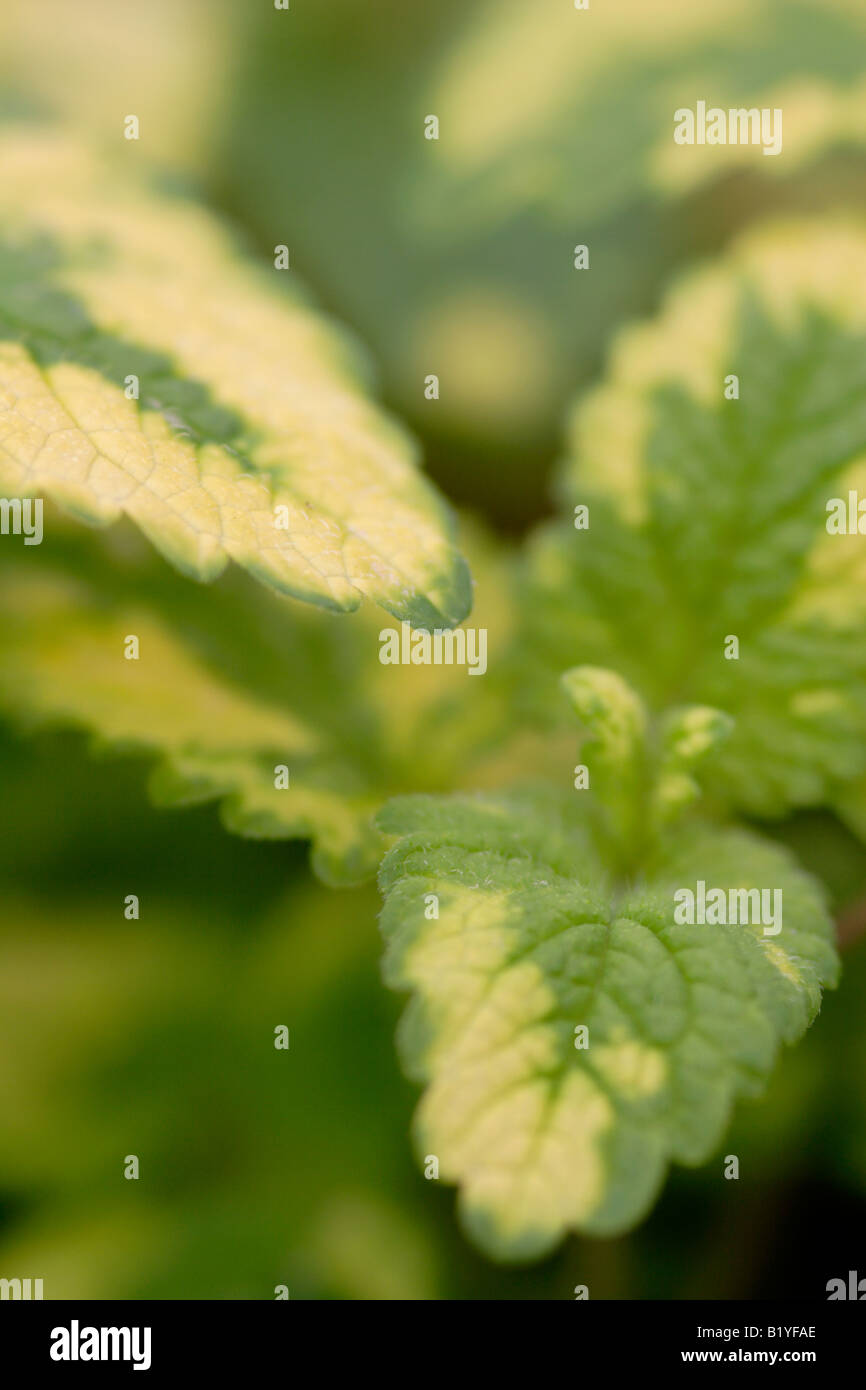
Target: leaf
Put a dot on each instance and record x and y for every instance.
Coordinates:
(535, 938)
(554, 125)
(708, 520)
(542, 107)
(249, 403)
(232, 683)
(179, 60)
(63, 664)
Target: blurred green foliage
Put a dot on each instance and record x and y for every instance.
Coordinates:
(456, 256)
(155, 1036)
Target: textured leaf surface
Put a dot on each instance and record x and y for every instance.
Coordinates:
(248, 401)
(708, 519)
(532, 940)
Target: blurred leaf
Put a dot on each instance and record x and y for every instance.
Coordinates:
(243, 1172)
(169, 62)
(542, 105)
(455, 256)
(232, 684)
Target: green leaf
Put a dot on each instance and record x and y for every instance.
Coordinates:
(250, 439)
(533, 939)
(708, 520)
(232, 683)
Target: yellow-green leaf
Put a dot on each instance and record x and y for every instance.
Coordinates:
(148, 370)
(282, 714)
(547, 106)
(572, 1033)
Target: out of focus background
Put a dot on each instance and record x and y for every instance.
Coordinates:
(453, 257)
